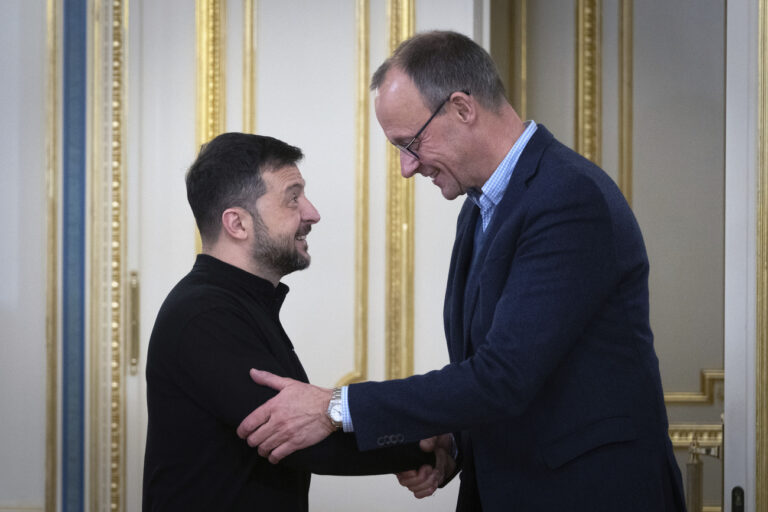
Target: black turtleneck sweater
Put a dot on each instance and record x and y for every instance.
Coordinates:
(217, 323)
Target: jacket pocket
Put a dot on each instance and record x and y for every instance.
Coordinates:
(586, 438)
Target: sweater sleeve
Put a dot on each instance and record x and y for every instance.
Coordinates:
(214, 354)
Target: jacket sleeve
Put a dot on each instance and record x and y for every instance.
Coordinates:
(561, 271)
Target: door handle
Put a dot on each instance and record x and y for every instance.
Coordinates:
(133, 323)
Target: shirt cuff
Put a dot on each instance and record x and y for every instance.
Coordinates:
(346, 417)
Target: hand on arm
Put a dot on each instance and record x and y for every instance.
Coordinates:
(292, 420)
(424, 481)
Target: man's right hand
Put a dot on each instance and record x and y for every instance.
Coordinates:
(424, 481)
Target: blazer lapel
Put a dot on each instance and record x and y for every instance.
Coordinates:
(525, 169)
(460, 265)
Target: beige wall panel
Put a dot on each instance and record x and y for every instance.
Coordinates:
(679, 197)
(551, 93)
(678, 179)
(22, 253)
(160, 123)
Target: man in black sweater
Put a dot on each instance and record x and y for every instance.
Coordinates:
(220, 320)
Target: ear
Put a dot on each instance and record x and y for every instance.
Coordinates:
(464, 107)
(236, 222)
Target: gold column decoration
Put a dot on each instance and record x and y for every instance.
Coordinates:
(706, 435)
(52, 185)
(210, 69)
(249, 65)
(588, 128)
(625, 98)
(400, 240)
(117, 235)
(518, 65)
(211, 106)
(106, 228)
(761, 341)
(362, 167)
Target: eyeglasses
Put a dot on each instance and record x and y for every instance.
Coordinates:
(407, 148)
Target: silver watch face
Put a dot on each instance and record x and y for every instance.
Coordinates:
(335, 413)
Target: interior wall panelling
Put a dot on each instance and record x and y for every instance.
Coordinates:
(588, 119)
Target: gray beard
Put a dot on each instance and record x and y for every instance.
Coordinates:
(279, 254)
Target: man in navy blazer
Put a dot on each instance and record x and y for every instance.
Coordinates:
(553, 392)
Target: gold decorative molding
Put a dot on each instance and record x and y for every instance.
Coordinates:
(706, 393)
(106, 228)
(52, 186)
(707, 435)
(761, 341)
(626, 85)
(211, 105)
(518, 62)
(362, 169)
(250, 9)
(588, 119)
(400, 227)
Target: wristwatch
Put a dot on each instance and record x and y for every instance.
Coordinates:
(334, 409)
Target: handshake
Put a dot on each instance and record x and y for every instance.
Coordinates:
(296, 418)
(424, 481)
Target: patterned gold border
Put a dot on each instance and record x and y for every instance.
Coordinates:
(211, 104)
(707, 435)
(250, 13)
(400, 228)
(706, 393)
(52, 182)
(118, 256)
(362, 169)
(106, 228)
(588, 119)
(625, 97)
(761, 341)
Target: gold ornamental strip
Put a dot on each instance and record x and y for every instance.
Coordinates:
(362, 170)
(400, 238)
(706, 393)
(625, 97)
(250, 53)
(761, 349)
(53, 192)
(706, 435)
(118, 284)
(210, 69)
(211, 106)
(588, 119)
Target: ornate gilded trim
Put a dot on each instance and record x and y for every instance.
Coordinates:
(362, 167)
(626, 85)
(400, 228)
(761, 341)
(106, 226)
(250, 10)
(53, 192)
(211, 105)
(706, 393)
(518, 51)
(588, 120)
(707, 435)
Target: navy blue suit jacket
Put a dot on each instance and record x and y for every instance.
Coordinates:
(553, 386)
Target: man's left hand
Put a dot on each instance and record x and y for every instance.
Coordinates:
(292, 420)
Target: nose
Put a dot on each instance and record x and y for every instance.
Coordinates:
(408, 164)
(309, 213)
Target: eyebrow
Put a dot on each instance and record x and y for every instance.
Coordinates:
(294, 187)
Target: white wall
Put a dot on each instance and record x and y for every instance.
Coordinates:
(22, 253)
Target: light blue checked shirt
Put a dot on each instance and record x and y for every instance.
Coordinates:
(490, 195)
(486, 199)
